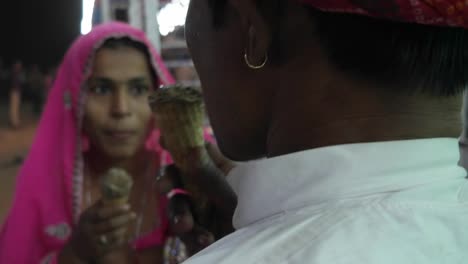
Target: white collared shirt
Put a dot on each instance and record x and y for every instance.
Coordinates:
(401, 202)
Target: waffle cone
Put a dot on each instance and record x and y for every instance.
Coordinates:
(179, 114)
(116, 186)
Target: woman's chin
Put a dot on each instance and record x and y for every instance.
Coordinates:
(121, 153)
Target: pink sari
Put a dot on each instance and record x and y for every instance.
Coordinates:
(48, 195)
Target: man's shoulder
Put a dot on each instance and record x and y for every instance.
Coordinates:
(380, 232)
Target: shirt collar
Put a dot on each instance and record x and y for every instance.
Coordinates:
(273, 186)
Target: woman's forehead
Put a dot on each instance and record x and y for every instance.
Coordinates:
(121, 63)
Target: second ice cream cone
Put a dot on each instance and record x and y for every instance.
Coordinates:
(116, 186)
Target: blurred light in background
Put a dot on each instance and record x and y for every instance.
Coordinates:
(169, 17)
(172, 15)
(87, 19)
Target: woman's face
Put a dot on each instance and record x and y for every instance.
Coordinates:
(234, 94)
(117, 113)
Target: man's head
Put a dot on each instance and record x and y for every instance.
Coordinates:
(117, 112)
(310, 53)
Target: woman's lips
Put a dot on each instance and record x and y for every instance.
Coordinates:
(120, 135)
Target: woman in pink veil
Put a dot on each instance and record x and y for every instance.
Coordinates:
(58, 184)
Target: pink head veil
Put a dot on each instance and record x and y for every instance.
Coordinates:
(48, 192)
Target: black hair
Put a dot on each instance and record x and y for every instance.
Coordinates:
(409, 57)
(126, 42)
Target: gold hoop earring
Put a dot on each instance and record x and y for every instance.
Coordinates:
(255, 67)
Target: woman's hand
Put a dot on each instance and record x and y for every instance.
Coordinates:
(102, 229)
(122, 255)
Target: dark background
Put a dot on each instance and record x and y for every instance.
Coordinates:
(38, 31)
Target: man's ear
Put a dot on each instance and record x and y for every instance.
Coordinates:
(256, 29)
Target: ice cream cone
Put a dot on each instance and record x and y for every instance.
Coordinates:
(179, 114)
(116, 186)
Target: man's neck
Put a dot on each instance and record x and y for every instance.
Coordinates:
(356, 116)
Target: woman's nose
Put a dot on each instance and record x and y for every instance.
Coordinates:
(120, 104)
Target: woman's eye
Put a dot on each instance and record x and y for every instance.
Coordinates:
(100, 89)
(139, 89)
